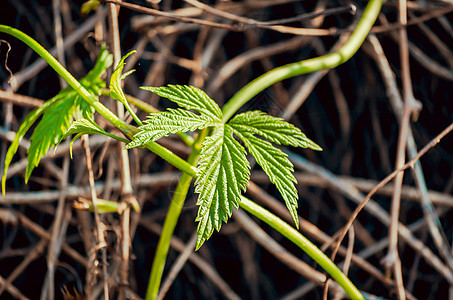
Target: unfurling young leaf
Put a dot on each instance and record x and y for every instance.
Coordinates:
(116, 92)
(223, 169)
(56, 115)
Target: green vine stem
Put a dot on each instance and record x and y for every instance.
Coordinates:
(328, 61)
(171, 219)
(303, 243)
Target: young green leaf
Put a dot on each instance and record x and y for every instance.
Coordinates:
(94, 83)
(223, 169)
(273, 161)
(277, 167)
(103, 61)
(165, 123)
(86, 126)
(56, 115)
(189, 97)
(272, 128)
(178, 120)
(116, 92)
(223, 173)
(26, 124)
(52, 126)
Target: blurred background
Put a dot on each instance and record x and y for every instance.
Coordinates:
(353, 112)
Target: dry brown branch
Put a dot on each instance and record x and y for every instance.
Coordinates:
(100, 227)
(353, 113)
(396, 101)
(277, 250)
(12, 290)
(402, 230)
(177, 266)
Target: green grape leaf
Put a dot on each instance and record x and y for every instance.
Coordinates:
(170, 121)
(274, 162)
(272, 128)
(190, 98)
(116, 92)
(277, 166)
(223, 173)
(56, 114)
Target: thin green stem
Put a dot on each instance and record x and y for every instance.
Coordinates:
(134, 116)
(328, 61)
(170, 222)
(118, 138)
(171, 219)
(172, 158)
(303, 243)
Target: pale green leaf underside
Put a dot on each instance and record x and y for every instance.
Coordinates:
(223, 173)
(165, 123)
